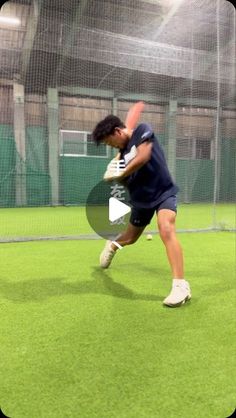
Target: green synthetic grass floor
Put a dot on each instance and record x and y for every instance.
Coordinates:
(81, 342)
(63, 221)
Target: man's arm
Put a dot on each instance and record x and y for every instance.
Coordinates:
(144, 151)
(118, 170)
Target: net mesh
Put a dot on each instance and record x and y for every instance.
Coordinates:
(66, 65)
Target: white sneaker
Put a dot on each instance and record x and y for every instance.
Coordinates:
(107, 255)
(179, 294)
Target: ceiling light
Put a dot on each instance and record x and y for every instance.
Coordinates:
(9, 20)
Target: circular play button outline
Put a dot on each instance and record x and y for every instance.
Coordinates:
(107, 209)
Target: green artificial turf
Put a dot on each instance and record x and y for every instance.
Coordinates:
(81, 342)
(72, 221)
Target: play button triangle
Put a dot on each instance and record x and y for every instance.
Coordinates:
(117, 209)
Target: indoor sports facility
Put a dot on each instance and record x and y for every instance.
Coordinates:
(78, 341)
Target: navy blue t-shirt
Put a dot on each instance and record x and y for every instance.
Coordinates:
(152, 183)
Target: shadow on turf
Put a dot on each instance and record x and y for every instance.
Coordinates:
(147, 270)
(38, 290)
(119, 290)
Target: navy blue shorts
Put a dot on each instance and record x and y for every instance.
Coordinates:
(142, 216)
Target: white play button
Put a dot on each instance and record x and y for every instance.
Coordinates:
(117, 209)
(108, 209)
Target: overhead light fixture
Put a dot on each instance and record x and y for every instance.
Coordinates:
(10, 21)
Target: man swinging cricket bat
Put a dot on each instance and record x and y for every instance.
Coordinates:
(141, 166)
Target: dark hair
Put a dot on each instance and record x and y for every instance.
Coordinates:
(106, 127)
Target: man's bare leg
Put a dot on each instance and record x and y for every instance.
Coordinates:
(180, 292)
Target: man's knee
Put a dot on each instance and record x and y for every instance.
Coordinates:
(131, 235)
(131, 239)
(166, 229)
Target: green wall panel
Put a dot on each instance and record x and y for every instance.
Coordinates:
(38, 179)
(195, 180)
(7, 166)
(228, 171)
(78, 175)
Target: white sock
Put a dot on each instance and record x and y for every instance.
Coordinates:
(179, 282)
(117, 245)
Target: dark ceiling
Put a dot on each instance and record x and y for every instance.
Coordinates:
(167, 48)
